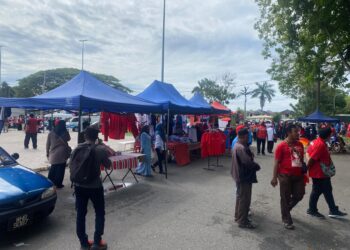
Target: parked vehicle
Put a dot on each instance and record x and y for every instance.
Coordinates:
(334, 145)
(25, 196)
(73, 123)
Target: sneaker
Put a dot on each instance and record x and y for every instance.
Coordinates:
(315, 214)
(289, 226)
(337, 214)
(247, 225)
(101, 246)
(90, 242)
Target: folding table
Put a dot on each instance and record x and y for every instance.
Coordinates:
(123, 161)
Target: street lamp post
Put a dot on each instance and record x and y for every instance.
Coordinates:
(1, 46)
(162, 78)
(82, 52)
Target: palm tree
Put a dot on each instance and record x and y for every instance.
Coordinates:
(264, 92)
(244, 92)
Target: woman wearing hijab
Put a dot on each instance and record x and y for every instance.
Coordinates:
(144, 168)
(159, 145)
(58, 151)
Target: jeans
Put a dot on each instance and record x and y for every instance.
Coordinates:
(160, 155)
(82, 196)
(322, 186)
(292, 190)
(28, 137)
(243, 200)
(56, 173)
(261, 142)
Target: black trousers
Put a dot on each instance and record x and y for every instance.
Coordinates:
(270, 146)
(56, 174)
(29, 136)
(161, 156)
(82, 197)
(261, 143)
(322, 186)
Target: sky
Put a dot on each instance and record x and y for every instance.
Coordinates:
(203, 39)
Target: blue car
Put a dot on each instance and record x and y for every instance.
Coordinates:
(25, 196)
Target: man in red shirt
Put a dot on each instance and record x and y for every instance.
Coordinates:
(261, 138)
(321, 180)
(289, 157)
(31, 130)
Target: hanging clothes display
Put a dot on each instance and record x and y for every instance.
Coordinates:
(115, 126)
(213, 143)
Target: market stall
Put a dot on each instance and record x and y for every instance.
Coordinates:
(173, 103)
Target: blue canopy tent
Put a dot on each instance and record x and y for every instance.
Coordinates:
(84, 93)
(199, 100)
(171, 100)
(317, 117)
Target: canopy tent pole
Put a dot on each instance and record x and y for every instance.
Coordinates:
(167, 140)
(79, 125)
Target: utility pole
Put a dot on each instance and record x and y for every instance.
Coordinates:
(82, 52)
(162, 78)
(245, 93)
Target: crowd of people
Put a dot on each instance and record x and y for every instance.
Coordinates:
(291, 169)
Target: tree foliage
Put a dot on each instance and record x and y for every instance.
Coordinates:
(217, 90)
(308, 42)
(306, 104)
(43, 81)
(264, 92)
(6, 90)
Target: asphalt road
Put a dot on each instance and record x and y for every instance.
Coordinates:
(193, 209)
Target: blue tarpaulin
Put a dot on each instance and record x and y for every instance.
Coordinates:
(87, 93)
(166, 95)
(199, 100)
(316, 117)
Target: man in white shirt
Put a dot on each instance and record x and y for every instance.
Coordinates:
(270, 135)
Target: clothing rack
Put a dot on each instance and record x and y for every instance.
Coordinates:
(213, 164)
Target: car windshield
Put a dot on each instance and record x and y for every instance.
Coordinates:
(5, 158)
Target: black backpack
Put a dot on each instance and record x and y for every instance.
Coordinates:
(83, 169)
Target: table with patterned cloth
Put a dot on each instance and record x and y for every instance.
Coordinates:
(123, 161)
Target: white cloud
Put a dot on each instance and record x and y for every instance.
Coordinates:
(203, 39)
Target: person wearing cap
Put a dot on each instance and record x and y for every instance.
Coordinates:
(243, 171)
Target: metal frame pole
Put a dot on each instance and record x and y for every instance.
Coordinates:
(167, 140)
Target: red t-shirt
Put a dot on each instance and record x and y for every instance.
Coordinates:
(318, 151)
(262, 132)
(289, 161)
(32, 125)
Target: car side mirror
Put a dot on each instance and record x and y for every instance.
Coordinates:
(15, 156)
